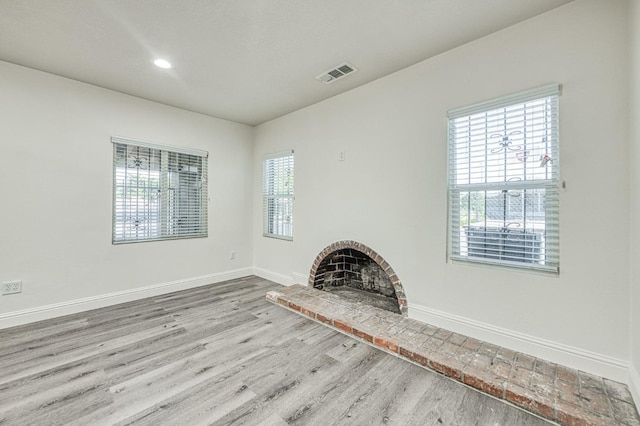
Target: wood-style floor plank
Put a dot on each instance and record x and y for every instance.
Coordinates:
(220, 355)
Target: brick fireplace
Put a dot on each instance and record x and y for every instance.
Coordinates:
(357, 272)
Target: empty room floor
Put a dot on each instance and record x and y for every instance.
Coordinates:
(220, 354)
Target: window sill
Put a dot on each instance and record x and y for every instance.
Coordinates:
(278, 237)
(508, 266)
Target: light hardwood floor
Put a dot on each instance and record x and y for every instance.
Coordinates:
(220, 354)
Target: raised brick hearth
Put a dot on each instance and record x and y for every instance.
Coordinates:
(550, 390)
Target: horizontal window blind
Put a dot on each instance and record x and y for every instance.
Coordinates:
(158, 193)
(503, 181)
(278, 195)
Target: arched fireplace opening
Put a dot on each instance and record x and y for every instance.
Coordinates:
(356, 272)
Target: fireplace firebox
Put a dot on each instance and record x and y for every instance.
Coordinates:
(357, 272)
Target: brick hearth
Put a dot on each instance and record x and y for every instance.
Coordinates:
(550, 390)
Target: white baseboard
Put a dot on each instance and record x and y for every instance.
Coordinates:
(274, 276)
(45, 312)
(634, 384)
(580, 359)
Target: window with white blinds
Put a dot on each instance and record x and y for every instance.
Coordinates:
(503, 181)
(158, 192)
(277, 190)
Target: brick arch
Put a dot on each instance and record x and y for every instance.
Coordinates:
(354, 245)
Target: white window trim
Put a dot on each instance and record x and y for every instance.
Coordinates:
(165, 225)
(146, 144)
(551, 185)
(268, 197)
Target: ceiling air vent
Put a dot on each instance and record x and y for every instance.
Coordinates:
(337, 72)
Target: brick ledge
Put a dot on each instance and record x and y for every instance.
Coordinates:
(549, 390)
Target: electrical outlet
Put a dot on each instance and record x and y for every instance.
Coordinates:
(11, 287)
(232, 256)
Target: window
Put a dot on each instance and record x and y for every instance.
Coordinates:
(158, 192)
(503, 181)
(277, 190)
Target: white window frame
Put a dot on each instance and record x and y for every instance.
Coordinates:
(533, 241)
(159, 192)
(278, 195)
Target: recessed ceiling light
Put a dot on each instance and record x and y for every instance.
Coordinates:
(162, 63)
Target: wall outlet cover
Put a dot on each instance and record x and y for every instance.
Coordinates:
(11, 287)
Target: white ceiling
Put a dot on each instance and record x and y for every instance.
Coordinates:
(247, 61)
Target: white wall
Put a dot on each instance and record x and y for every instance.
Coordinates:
(634, 112)
(56, 171)
(390, 193)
